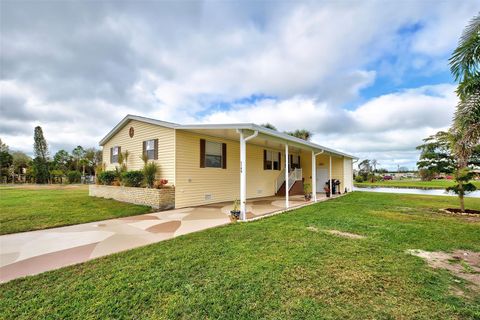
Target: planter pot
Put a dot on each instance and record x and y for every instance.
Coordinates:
(234, 215)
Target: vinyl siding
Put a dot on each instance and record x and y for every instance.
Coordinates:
(348, 173)
(144, 131)
(194, 183)
(323, 160)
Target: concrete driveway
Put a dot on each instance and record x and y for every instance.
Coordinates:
(33, 252)
(30, 253)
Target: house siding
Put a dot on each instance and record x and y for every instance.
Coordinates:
(348, 173)
(144, 131)
(194, 183)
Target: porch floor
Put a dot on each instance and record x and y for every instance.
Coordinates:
(258, 207)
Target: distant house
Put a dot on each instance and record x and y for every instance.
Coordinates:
(210, 163)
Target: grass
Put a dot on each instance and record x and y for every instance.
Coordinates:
(274, 268)
(34, 208)
(434, 184)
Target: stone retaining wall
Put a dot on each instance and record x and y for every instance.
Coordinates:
(162, 199)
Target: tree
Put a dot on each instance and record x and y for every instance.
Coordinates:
(465, 67)
(436, 155)
(300, 133)
(465, 132)
(374, 164)
(20, 161)
(364, 169)
(269, 126)
(6, 161)
(40, 163)
(78, 155)
(3, 146)
(61, 160)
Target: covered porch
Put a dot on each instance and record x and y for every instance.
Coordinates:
(264, 206)
(271, 163)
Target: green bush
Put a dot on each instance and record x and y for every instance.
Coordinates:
(106, 177)
(132, 178)
(359, 179)
(150, 171)
(74, 176)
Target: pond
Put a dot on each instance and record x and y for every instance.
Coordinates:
(431, 192)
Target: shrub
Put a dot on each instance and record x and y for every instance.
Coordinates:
(150, 171)
(74, 176)
(359, 179)
(107, 177)
(426, 175)
(132, 178)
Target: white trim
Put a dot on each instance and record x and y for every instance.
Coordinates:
(286, 176)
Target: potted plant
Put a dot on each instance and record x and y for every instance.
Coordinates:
(235, 212)
(306, 192)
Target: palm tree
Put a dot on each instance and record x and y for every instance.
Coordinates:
(465, 67)
(270, 126)
(301, 133)
(465, 132)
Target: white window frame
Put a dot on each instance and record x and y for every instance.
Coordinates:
(115, 153)
(150, 152)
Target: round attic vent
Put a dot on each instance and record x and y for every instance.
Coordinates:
(131, 132)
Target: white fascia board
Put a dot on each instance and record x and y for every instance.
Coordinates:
(129, 117)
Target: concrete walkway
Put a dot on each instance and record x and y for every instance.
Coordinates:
(33, 252)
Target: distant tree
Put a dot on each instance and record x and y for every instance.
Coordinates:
(40, 162)
(364, 169)
(374, 164)
(78, 155)
(300, 133)
(269, 126)
(6, 161)
(3, 146)
(21, 161)
(94, 159)
(436, 155)
(61, 160)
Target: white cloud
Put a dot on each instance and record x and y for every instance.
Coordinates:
(77, 68)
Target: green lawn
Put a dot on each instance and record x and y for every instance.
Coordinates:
(434, 184)
(274, 268)
(32, 208)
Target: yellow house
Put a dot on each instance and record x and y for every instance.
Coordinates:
(209, 163)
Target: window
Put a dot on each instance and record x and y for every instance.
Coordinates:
(115, 152)
(268, 161)
(295, 161)
(150, 149)
(271, 160)
(213, 154)
(275, 159)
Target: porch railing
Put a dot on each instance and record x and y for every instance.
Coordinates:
(280, 180)
(295, 175)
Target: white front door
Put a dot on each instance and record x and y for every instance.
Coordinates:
(322, 177)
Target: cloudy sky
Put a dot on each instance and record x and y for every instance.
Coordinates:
(367, 77)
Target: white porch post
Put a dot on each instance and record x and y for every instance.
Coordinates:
(330, 175)
(314, 177)
(286, 176)
(243, 177)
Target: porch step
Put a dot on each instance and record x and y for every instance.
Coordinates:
(296, 189)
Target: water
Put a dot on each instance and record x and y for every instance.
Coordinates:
(431, 192)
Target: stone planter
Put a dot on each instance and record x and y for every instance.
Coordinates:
(162, 199)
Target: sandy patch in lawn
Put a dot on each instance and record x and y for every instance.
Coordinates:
(338, 233)
(462, 263)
